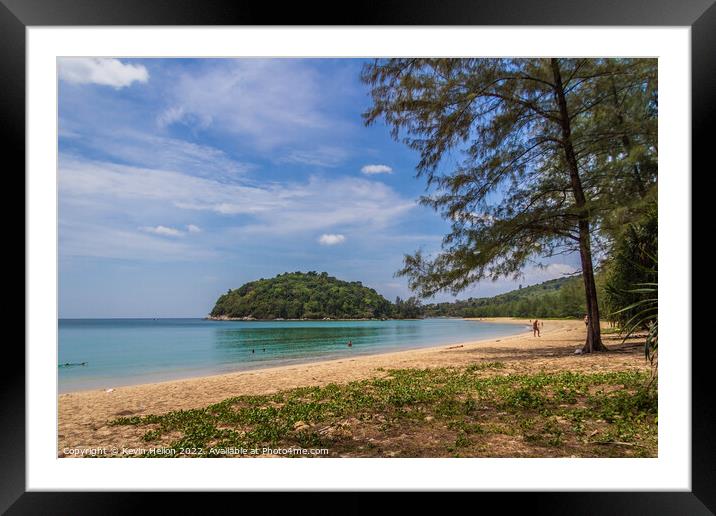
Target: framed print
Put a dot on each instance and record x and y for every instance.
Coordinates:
(411, 251)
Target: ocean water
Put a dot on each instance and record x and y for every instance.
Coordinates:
(132, 351)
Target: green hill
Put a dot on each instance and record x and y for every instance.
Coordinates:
(561, 297)
(313, 295)
(297, 295)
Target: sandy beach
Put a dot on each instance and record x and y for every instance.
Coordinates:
(83, 416)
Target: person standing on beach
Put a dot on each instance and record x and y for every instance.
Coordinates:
(535, 328)
(586, 320)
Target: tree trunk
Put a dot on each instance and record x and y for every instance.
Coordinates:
(594, 337)
(594, 333)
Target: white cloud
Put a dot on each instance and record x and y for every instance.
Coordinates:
(179, 115)
(99, 239)
(161, 230)
(157, 152)
(107, 72)
(554, 270)
(122, 197)
(270, 101)
(323, 156)
(318, 203)
(170, 116)
(331, 239)
(169, 231)
(376, 169)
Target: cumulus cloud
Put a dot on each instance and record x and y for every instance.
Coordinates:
(161, 230)
(104, 71)
(376, 169)
(191, 228)
(331, 239)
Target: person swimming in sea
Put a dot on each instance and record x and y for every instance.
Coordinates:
(350, 343)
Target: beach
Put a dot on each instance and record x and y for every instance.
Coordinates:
(83, 417)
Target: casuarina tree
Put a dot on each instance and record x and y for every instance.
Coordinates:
(527, 158)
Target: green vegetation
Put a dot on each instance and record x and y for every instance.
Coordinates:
(632, 262)
(297, 295)
(553, 153)
(318, 296)
(410, 308)
(474, 411)
(557, 298)
(631, 287)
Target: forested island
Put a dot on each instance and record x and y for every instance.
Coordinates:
(298, 295)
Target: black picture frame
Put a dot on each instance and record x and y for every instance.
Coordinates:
(16, 15)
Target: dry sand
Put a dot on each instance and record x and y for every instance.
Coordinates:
(83, 416)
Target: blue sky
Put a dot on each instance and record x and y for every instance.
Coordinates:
(182, 178)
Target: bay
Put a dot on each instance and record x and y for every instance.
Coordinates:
(118, 352)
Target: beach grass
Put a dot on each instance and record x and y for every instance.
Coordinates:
(473, 411)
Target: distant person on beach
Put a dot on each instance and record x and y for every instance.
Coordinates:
(535, 328)
(586, 320)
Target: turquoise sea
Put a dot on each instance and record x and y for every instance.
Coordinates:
(132, 351)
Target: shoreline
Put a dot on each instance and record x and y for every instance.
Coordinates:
(249, 318)
(83, 416)
(297, 362)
